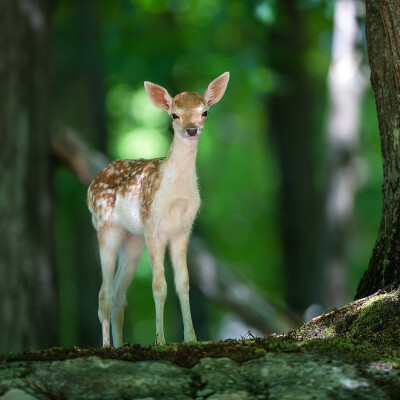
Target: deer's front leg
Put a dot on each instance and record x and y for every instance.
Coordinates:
(156, 249)
(178, 247)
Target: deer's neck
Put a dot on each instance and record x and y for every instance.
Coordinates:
(181, 159)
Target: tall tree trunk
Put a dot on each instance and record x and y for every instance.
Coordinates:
(346, 86)
(77, 35)
(28, 295)
(86, 243)
(293, 133)
(383, 40)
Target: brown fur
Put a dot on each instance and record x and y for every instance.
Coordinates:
(150, 184)
(188, 100)
(127, 178)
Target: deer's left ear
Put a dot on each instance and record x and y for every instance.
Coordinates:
(158, 95)
(216, 89)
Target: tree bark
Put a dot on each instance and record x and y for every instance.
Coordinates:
(28, 292)
(383, 41)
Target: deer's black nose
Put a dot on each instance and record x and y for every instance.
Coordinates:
(191, 131)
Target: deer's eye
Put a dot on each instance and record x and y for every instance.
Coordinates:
(205, 113)
(174, 116)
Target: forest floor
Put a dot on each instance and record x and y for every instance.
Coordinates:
(350, 353)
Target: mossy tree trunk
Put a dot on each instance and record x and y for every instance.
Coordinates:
(27, 271)
(383, 41)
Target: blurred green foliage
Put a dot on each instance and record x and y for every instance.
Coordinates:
(102, 53)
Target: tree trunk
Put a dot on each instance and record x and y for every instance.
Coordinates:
(383, 40)
(28, 295)
(86, 245)
(293, 133)
(346, 87)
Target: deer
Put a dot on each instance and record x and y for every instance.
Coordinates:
(153, 203)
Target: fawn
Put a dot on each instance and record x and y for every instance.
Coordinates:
(154, 203)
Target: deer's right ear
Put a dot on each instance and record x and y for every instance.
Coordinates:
(158, 96)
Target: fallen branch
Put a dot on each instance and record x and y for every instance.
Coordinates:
(81, 159)
(217, 281)
(211, 276)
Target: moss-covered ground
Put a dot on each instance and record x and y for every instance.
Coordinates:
(365, 331)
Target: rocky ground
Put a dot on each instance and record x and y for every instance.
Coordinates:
(350, 353)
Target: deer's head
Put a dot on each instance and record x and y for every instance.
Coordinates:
(188, 110)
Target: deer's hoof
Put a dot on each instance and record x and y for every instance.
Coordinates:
(190, 337)
(160, 341)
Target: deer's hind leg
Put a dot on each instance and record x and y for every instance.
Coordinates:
(110, 240)
(129, 257)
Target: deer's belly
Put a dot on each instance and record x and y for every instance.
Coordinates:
(127, 214)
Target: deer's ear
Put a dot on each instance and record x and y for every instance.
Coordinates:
(216, 89)
(158, 96)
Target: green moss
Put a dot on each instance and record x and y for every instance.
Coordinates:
(356, 350)
(364, 331)
(330, 331)
(379, 323)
